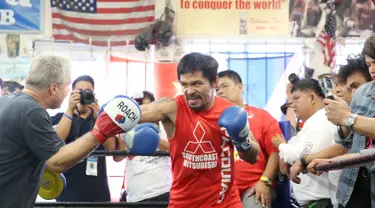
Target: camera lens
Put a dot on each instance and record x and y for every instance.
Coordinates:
(87, 97)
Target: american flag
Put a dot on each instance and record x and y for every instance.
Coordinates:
(327, 39)
(101, 20)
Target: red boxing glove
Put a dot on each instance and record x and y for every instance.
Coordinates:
(119, 115)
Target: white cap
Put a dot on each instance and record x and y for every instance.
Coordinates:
(137, 95)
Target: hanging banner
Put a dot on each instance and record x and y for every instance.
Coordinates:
(21, 16)
(247, 18)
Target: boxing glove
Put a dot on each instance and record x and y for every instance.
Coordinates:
(143, 139)
(234, 121)
(143, 40)
(164, 32)
(119, 115)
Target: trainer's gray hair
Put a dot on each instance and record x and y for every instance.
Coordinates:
(48, 68)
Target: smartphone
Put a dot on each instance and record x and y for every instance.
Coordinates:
(327, 87)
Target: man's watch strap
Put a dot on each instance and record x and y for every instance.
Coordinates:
(266, 181)
(304, 163)
(340, 132)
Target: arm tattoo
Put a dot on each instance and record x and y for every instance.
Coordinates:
(163, 100)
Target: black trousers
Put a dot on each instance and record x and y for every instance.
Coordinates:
(161, 198)
(361, 196)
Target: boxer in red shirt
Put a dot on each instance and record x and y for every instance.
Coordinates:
(254, 182)
(202, 130)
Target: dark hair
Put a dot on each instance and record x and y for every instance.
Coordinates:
(12, 86)
(198, 62)
(308, 85)
(369, 47)
(234, 76)
(85, 78)
(148, 95)
(355, 63)
(338, 78)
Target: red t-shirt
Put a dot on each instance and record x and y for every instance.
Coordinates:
(264, 128)
(300, 124)
(202, 159)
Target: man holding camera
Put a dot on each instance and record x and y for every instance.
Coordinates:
(78, 119)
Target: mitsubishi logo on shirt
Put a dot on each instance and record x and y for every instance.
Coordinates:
(206, 146)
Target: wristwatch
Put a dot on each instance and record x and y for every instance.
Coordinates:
(349, 121)
(266, 181)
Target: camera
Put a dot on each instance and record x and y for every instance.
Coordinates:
(327, 86)
(87, 97)
(293, 78)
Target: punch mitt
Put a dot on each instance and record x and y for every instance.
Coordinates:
(51, 185)
(119, 115)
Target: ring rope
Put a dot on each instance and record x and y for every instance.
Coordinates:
(101, 153)
(354, 162)
(101, 204)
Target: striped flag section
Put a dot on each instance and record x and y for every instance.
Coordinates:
(327, 39)
(98, 21)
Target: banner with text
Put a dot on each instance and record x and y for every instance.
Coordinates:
(251, 18)
(20, 15)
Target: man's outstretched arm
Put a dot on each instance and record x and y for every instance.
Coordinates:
(158, 110)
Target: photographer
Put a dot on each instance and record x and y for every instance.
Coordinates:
(78, 119)
(355, 133)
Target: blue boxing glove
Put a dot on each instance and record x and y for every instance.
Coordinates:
(142, 139)
(234, 120)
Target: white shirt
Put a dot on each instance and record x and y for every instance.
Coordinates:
(147, 177)
(316, 134)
